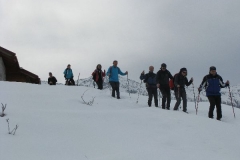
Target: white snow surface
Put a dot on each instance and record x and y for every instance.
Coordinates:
(55, 124)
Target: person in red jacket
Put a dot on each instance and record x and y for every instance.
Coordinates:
(98, 76)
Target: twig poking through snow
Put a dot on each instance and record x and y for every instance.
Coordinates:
(14, 130)
(3, 109)
(87, 103)
(8, 126)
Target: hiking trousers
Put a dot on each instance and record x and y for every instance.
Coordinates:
(115, 88)
(166, 96)
(215, 101)
(152, 92)
(70, 82)
(100, 84)
(180, 93)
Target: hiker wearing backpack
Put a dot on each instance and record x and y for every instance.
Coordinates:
(213, 84)
(151, 85)
(98, 76)
(163, 76)
(113, 72)
(180, 81)
(68, 75)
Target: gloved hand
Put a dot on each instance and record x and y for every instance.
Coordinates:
(227, 83)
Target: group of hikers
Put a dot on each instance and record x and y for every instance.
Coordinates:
(163, 80)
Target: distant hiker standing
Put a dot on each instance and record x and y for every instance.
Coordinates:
(163, 76)
(68, 74)
(52, 80)
(150, 80)
(113, 72)
(98, 76)
(213, 84)
(180, 81)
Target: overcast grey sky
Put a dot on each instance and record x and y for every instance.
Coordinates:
(48, 35)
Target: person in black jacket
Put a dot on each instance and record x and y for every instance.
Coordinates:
(163, 76)
(150, 80)
(180, 81)
(52, 80)
(213, 84)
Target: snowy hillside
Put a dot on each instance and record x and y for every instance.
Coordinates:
(137, 87)
(55, 124)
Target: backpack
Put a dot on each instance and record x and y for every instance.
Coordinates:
(145, 80)
(171, 82)
(95, 72)
(111, 70)
(149, 80)
(94, 77)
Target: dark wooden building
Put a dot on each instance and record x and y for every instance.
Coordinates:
(11, 71)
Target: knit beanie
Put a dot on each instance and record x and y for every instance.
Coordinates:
(212, 68)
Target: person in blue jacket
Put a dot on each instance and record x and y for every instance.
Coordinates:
(68, 74)
(213, 84)
(113, 72)
(151, 83)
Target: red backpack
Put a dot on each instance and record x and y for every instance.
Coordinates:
(171, 82)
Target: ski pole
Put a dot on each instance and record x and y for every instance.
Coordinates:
(78, 79)
(231, 101)
(194, 96)
(93, 84)
(179, 96)
(128, 86)
(198, 99)
(139, 90)
(109, 86)
(159, 92)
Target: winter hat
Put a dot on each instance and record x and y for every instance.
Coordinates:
(212, 68)
(163, 65)
(98, 65)
(183, 70)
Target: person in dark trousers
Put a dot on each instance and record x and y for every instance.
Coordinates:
(163, 76)
(68, 74)
(180, 81)
(213, 84)
(52, 80)
(150, 80)
(113, 72)
(98, 76)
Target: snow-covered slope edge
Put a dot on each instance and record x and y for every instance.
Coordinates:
(55, 124)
